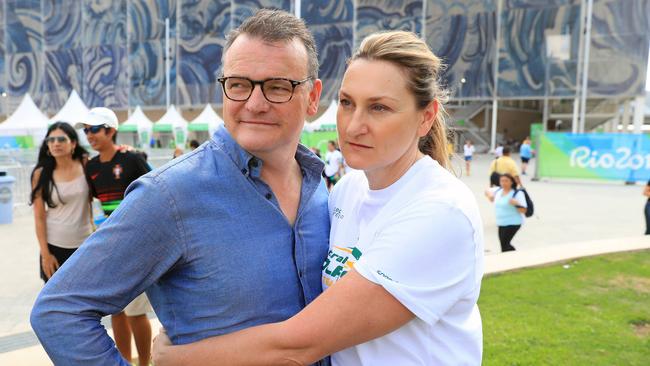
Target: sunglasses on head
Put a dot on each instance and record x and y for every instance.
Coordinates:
(94, 129)
(60, 139)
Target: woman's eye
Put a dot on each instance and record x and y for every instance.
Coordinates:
(378, 108)
(344, 102)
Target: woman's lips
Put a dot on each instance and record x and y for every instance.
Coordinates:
(358, 145)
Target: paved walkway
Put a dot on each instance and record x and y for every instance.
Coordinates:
(573, 219)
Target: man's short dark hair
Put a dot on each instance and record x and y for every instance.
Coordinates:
(506, 151)
(278, 26)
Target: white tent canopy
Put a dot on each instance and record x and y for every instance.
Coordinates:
(327, 121)
(73, 111)
(137, 124)
(208, 120)
(27, 120)
(172, 122)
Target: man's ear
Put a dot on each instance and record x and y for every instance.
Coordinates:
(314, 97)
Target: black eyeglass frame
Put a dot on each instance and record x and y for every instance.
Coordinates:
(294, 83)
(97, 128)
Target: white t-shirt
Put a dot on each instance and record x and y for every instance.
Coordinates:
(333, 160)
(422, 240)
(468, 150)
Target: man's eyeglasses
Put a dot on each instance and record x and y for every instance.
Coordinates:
(275, 90)
(60, 139)
(94, 129)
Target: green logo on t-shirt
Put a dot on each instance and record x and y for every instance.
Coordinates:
(339, 261)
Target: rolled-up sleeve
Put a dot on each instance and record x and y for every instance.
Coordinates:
(138, 243)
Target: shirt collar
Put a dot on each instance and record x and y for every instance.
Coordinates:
(251, 165)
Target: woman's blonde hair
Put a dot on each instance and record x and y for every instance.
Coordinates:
(422, 68)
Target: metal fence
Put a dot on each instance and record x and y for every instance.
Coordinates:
(19, 164)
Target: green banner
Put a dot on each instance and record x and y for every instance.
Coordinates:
(318, 139)
(535, 130)
(602, 156)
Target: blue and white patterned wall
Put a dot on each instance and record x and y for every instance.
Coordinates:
(113, 51)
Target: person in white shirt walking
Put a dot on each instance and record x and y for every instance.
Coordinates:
(334, 169)
(468, 152)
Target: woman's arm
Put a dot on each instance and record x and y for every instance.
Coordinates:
(519, 202)
(489, 194)
(50, 264)
(646, 191)
(352, 311)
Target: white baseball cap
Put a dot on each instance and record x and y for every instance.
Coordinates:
(99, 116)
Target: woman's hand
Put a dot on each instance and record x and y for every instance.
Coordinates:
(513, 202)
(50, 264)
(161, 347)
(488, 193)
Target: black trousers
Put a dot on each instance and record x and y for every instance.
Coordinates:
(61, 255)
(506, 233)
(647, 217)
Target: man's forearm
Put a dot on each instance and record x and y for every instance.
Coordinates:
(72, 339)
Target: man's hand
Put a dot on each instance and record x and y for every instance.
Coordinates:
(125, 148)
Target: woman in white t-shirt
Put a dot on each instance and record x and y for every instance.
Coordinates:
(403, 274)
(61, 198)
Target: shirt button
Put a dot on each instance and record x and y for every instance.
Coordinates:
(244, 171)
(269, 196)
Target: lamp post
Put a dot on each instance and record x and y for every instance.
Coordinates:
(167, 66)
(460, 90)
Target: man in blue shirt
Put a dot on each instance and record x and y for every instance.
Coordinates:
(228, 236)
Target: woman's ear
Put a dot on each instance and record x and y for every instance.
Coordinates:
(429, 115)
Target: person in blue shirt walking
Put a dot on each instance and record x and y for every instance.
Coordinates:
(228, 236)
(526, 153)
(510, 206)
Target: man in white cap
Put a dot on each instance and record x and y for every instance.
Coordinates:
(109, 174)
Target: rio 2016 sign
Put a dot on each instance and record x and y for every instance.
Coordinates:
(604, 156)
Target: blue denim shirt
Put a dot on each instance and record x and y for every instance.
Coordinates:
(205, 237)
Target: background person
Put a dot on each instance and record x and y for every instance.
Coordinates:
(504, 165)
(194, 144)
(526, 153)
(468, 152)
(510, 207)
(334, 169)
(109, 174)
(60, 197)
(498, 151)
(403, 273)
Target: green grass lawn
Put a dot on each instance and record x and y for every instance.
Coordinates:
(595, 312)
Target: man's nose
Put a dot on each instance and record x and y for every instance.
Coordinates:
(257, 101)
